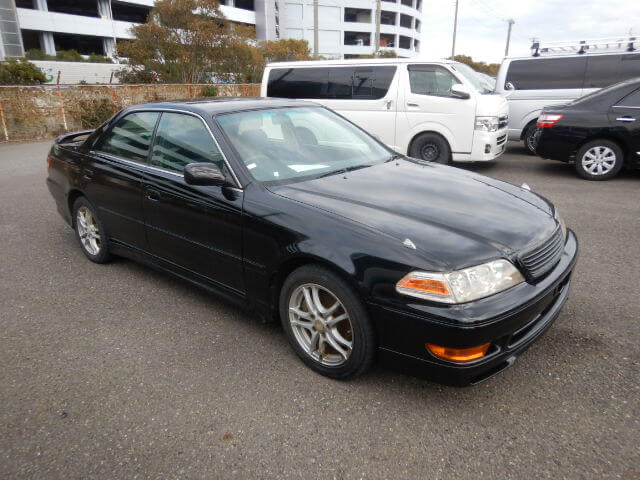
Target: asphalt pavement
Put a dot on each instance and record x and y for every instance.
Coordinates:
(120, 372)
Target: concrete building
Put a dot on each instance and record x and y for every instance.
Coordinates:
(346, 28)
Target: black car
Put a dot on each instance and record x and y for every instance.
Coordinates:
(600, 132)
(291, 211)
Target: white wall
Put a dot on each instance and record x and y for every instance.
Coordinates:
(75, 72)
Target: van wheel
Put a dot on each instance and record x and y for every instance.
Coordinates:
(530, 138)
(430, 147)
(599, 160)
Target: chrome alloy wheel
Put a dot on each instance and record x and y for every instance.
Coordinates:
(599, 160)
(321, 324)
(88, 231)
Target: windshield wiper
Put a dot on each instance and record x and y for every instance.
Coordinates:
(344, 170)
(393, 157)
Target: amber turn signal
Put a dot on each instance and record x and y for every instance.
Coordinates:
(458, 354)
(425, 285)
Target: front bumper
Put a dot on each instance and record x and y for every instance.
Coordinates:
(487, 146)
(511, 321)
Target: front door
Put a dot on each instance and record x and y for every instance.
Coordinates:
(428, 105)
(113, 169)
(625, 120)
(198, 228)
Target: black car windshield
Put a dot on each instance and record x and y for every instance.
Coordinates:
(284, 145)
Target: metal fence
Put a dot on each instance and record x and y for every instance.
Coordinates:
(42, 112)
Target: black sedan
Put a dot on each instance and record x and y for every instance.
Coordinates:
(600, 132)
(293, 212)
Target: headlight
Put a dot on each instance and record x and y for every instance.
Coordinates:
(462, 285)
(563, 226)
(487, 124)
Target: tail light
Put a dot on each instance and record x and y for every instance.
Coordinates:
(49, 158)
(549, 119)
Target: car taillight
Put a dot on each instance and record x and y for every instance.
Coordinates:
(548, 119)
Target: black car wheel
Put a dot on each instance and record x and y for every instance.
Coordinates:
(326, 323)
(530, 137)
(599, 160)
(430, 147)
(90, 231)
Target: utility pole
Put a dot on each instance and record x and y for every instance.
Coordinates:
(455, 26)
(315, 28)
(506, 50)
(378, 15)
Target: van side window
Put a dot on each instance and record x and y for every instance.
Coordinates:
(629, 67)
(431, 80)
(547, 73)
(345, 83)
(602, 71)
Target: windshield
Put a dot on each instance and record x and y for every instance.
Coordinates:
(291, 144)
(480, 84)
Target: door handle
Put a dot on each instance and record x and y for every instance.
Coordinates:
(88, 173)
(415, 105)
(626, 119)
(153, 195)
(389, 102)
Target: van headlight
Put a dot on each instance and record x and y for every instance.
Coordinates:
(462, 285)
(487, 124)
(560, 221)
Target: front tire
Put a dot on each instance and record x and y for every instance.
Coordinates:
(90, 231)
(599, 160)
(326, 323)
(430, 147)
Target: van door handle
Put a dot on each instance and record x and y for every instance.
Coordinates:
(413, 105)
(153, 195)
(626, 119)
(88, 173)
(389, 102)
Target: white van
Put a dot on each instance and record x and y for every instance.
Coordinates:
(554, 77)
(433, 110)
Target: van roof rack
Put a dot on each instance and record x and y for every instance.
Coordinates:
(599, 45)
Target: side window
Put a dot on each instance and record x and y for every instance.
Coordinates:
(340, 82)
(431, 80)
(183, 139)
(602, 71)
(629, 67)
(298, 83)
(631, 100)
(547, 73)
(130, 137)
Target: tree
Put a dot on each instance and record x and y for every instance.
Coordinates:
(185, 41)
(490, 69)
(20, 72)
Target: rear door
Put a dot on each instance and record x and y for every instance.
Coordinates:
(625, 118)
(198, 228)
(114, 176)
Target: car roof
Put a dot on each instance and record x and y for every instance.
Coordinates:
(363, 61)
(221, 105)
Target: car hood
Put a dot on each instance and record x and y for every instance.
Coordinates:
(454, 218)
(491, 105)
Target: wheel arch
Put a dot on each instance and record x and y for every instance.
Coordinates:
(291, 264)
(529, 124)
(414, 138)
(72, 196)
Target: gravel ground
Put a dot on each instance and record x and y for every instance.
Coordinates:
(119, 371)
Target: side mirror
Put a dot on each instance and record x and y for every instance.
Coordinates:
(509, 86)
(203, 174)
(460, 91)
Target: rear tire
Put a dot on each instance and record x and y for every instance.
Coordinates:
(530, 139)
(430, 147)
(599, 160)
(326, 323)
(90, 231)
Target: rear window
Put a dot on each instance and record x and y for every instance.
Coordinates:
(347, 83)
(547, 73)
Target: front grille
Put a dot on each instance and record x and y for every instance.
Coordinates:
(543, 257)
(502, 122)
(501, 140)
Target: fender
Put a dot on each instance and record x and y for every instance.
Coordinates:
(424, 127)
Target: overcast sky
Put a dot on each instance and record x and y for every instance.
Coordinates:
(482, 26)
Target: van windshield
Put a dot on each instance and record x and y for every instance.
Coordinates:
(283, 145)
(481, 84)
